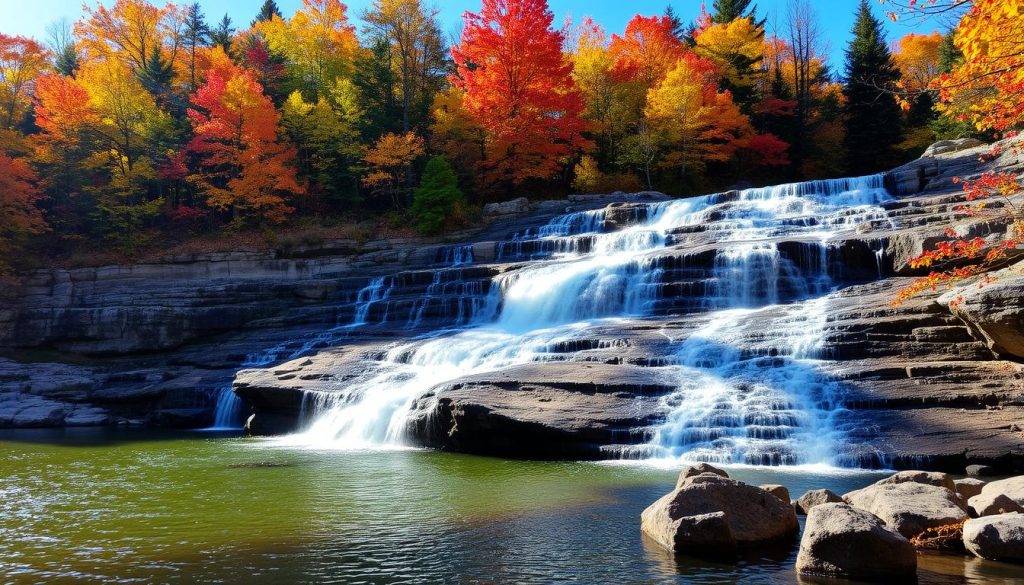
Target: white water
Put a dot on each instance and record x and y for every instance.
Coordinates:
(729, 406)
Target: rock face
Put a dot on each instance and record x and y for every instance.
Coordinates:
(779, 491)
(991, 504)
(1012, 488)
(698, 469)
(709, 512)
(842, 541)
(995, 311)
(999, 538)
(814, 498)
(909, 508)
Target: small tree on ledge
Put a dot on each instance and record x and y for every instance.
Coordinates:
(436, 197)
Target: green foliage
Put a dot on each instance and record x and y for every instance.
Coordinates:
(221, 35)
(723, 11)
(436, 197)
(268, 11)
(873, 118)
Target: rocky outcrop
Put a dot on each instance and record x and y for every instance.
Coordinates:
(999, 538)
(995, 311)
(777, 490)
(992, 503)
(909, 508)
(698, 469)
(842, 541)
(711, 513)
(1012, 488)
(923, 477)
(814, 498)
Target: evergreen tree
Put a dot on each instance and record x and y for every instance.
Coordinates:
(66, 62)
(678, 28)
(197, 34)
(436, 197)
(223, 34)
(724, 11)
(268, 11)
(872, 114)
(157, 75)
(949, 55)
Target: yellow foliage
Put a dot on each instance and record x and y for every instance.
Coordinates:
(729, 44)
(917, 57)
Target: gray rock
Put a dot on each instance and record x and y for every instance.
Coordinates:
(752, 515)
(698, 469)
(923, 477)
(909, 508)
(981, 471)
(969, 487)
(842, 541)
(991, 504)
(996, 310)
(1012, 487)
(815, 498)
(998, 538)
(514, 206)
(951, 146)
(777, 490)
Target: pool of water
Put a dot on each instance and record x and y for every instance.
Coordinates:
(133, 506)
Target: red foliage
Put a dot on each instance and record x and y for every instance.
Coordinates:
(646, 50)
(768, 150)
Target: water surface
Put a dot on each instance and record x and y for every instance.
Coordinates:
(133, 506)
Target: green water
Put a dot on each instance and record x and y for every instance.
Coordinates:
(86, 506)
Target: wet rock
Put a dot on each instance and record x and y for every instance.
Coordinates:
(991, 504)
(969, 487)
(909, 508)
(998, 538)
(842, 541)
(753, 516)
(777, 490)
(814, 498)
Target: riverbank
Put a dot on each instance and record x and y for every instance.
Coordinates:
(88, 505)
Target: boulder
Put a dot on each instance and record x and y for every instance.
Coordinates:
(924, 477)
(1012, 487)
(698, 469)
(514, 206)
(968, 487)
(690, 519)
(842, 541)
(909, 508)
(995, 310)
(777, 490)
(951, 146)
(991, 504)
(981, 471)
(998, 538)
(815, 498)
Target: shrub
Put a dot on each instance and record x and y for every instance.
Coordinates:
(437, 196)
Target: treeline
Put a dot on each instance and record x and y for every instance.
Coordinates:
(139, 120)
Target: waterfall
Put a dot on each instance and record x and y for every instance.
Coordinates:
(764, 406)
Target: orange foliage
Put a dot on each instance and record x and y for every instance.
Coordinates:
(18, 198)
(518, 87)
(129, 30)
(647, 50)
(389, 159)
(22, 61)
(242, 165)
(917, 57)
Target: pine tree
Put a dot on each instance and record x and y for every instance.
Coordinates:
(436, 196)
(678, 28)
(197, 34)
(66, 63)
(223, 34)
(157, 75)
(872, 115)
(267, 12)
(725, 11)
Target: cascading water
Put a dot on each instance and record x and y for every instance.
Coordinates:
(765, 407)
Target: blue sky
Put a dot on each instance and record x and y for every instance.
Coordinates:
(836, 16)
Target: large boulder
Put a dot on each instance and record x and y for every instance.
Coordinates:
(815, 498)
(777, 490)
(999, 538)
(924, 477)
(842, 541)
(991, 504)
(1012, 488)
(968, 487)
(512, 207)
(909, 508)
(709, 512)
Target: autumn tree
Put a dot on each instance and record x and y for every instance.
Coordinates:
(388, 163)
(22, 61)
(917, 58)
(518, 86)
(455, 133)
(129, 30)
(737, 48)
(646, 51)
(19, 198)
(417, 51)
(318, 42)
(241, 165)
